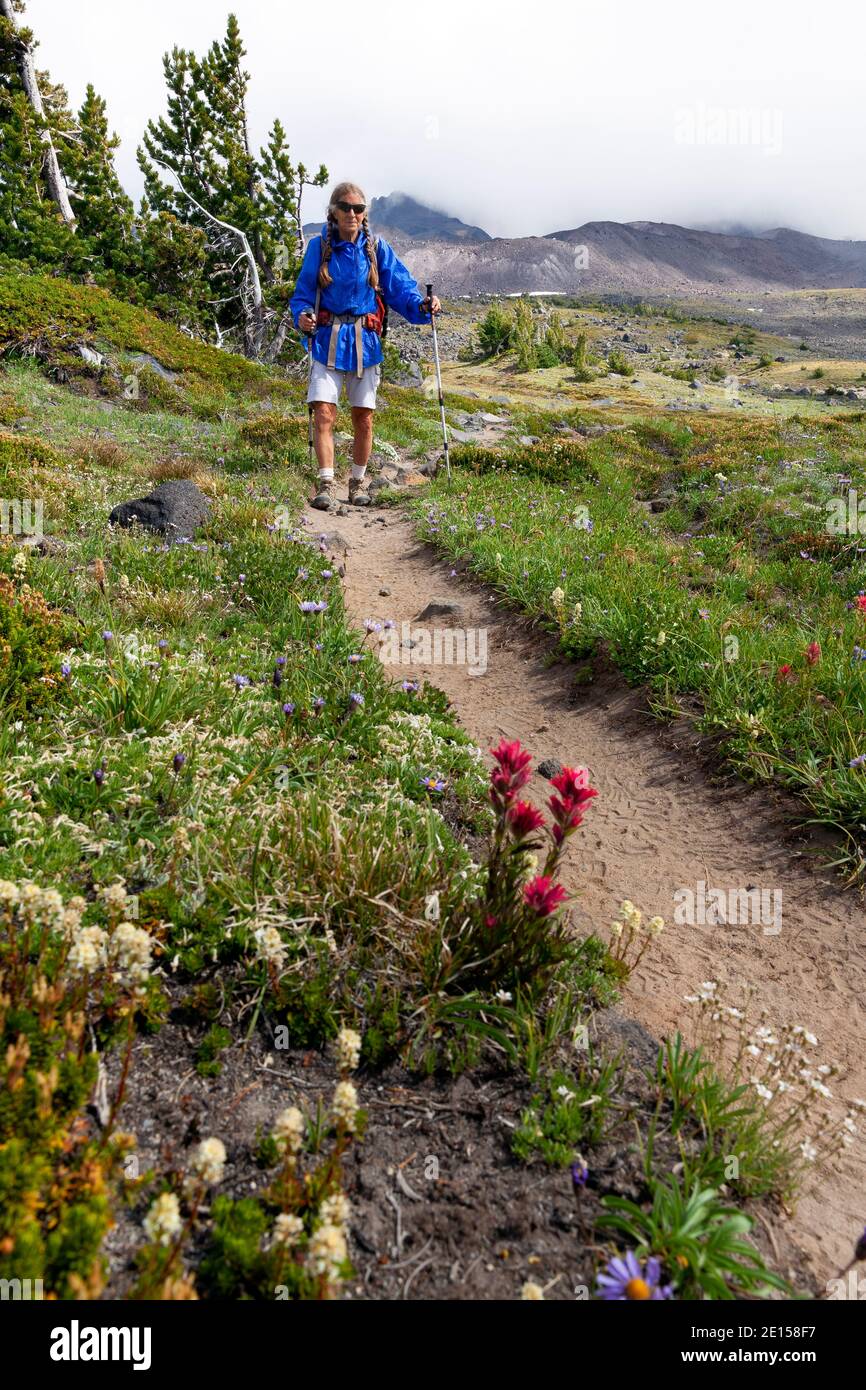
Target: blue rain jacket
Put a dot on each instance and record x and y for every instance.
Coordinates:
(349, 293)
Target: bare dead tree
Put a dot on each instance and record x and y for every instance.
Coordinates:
(259, 342)
(27, 71)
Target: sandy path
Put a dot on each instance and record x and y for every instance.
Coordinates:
(657, 825)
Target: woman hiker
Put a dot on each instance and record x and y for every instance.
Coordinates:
(345, 274)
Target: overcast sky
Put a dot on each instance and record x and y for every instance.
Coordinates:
(523, 119)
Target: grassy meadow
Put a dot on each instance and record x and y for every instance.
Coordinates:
(220, 820)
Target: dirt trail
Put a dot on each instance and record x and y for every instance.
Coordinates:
(657, 825)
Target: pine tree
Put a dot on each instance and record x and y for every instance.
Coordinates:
(33, 227)
(105, 212)
(246, 203)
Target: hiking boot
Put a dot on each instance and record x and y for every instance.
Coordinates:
(326, 495)
(359, 498)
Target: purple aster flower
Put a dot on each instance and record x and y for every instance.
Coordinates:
(327, 574)
(308, 606)
(242, 579)
(703, 613)
(178, 761)
(99, 775)
(288, 709)
(281, 661)
(625, 1279)
(409, 686)
(388, 623)
(65, 669)
(356, 699)
(318, 704)
(354, 658)
(162, 644)
(241, 681)
(858, 761)
(317, 646)
(433, 784)
(859, 654)
(107, 636)
(579, 1173)
(303, 574)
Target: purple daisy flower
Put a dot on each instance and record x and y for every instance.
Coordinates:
(354, 658)
(288, 709)
(356, 699)
(65, 669)
(318, 704)
(107, 636)
(624, 1279)
(858, 761)
(240, 681)
(433, 784)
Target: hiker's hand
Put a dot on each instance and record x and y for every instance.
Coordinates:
(306, 322)
(434, 308)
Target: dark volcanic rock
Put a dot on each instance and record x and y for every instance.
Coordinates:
(176, 508)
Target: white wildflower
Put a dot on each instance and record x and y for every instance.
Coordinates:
(532, 1292)
(87, 952)
(287, 1229)
(336, 1210)
(345, 1104)
(327, 1250)
(131, 947)
(163, 1220)
(271, 946)
(289, 1130)
(209, 1160)
(348, 1049)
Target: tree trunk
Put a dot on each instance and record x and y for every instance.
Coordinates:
(53, 176)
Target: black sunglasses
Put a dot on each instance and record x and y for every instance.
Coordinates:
(357, 208)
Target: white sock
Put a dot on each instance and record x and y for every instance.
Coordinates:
(326, 473)
(358, 470)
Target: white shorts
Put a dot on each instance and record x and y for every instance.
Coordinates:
(326, 383)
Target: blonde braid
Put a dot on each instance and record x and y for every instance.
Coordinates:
(325, 277)
(373, 277)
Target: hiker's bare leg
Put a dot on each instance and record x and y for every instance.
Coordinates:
(324, 415)
(362, 424)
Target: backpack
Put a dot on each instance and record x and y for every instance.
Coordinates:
(377, 321)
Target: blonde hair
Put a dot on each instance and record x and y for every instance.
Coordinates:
(344, 190)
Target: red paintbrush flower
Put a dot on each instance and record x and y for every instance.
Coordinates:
(860, 602)
(568, 808)
(543, 895)
(813, 653)
(524, 818)
(513, 772)
(784, 673)
(513, 760)
(571, 780)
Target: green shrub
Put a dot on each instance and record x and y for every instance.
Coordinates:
(32, 638)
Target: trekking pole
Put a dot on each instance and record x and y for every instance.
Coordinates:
(310, 403)
(439, 383)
